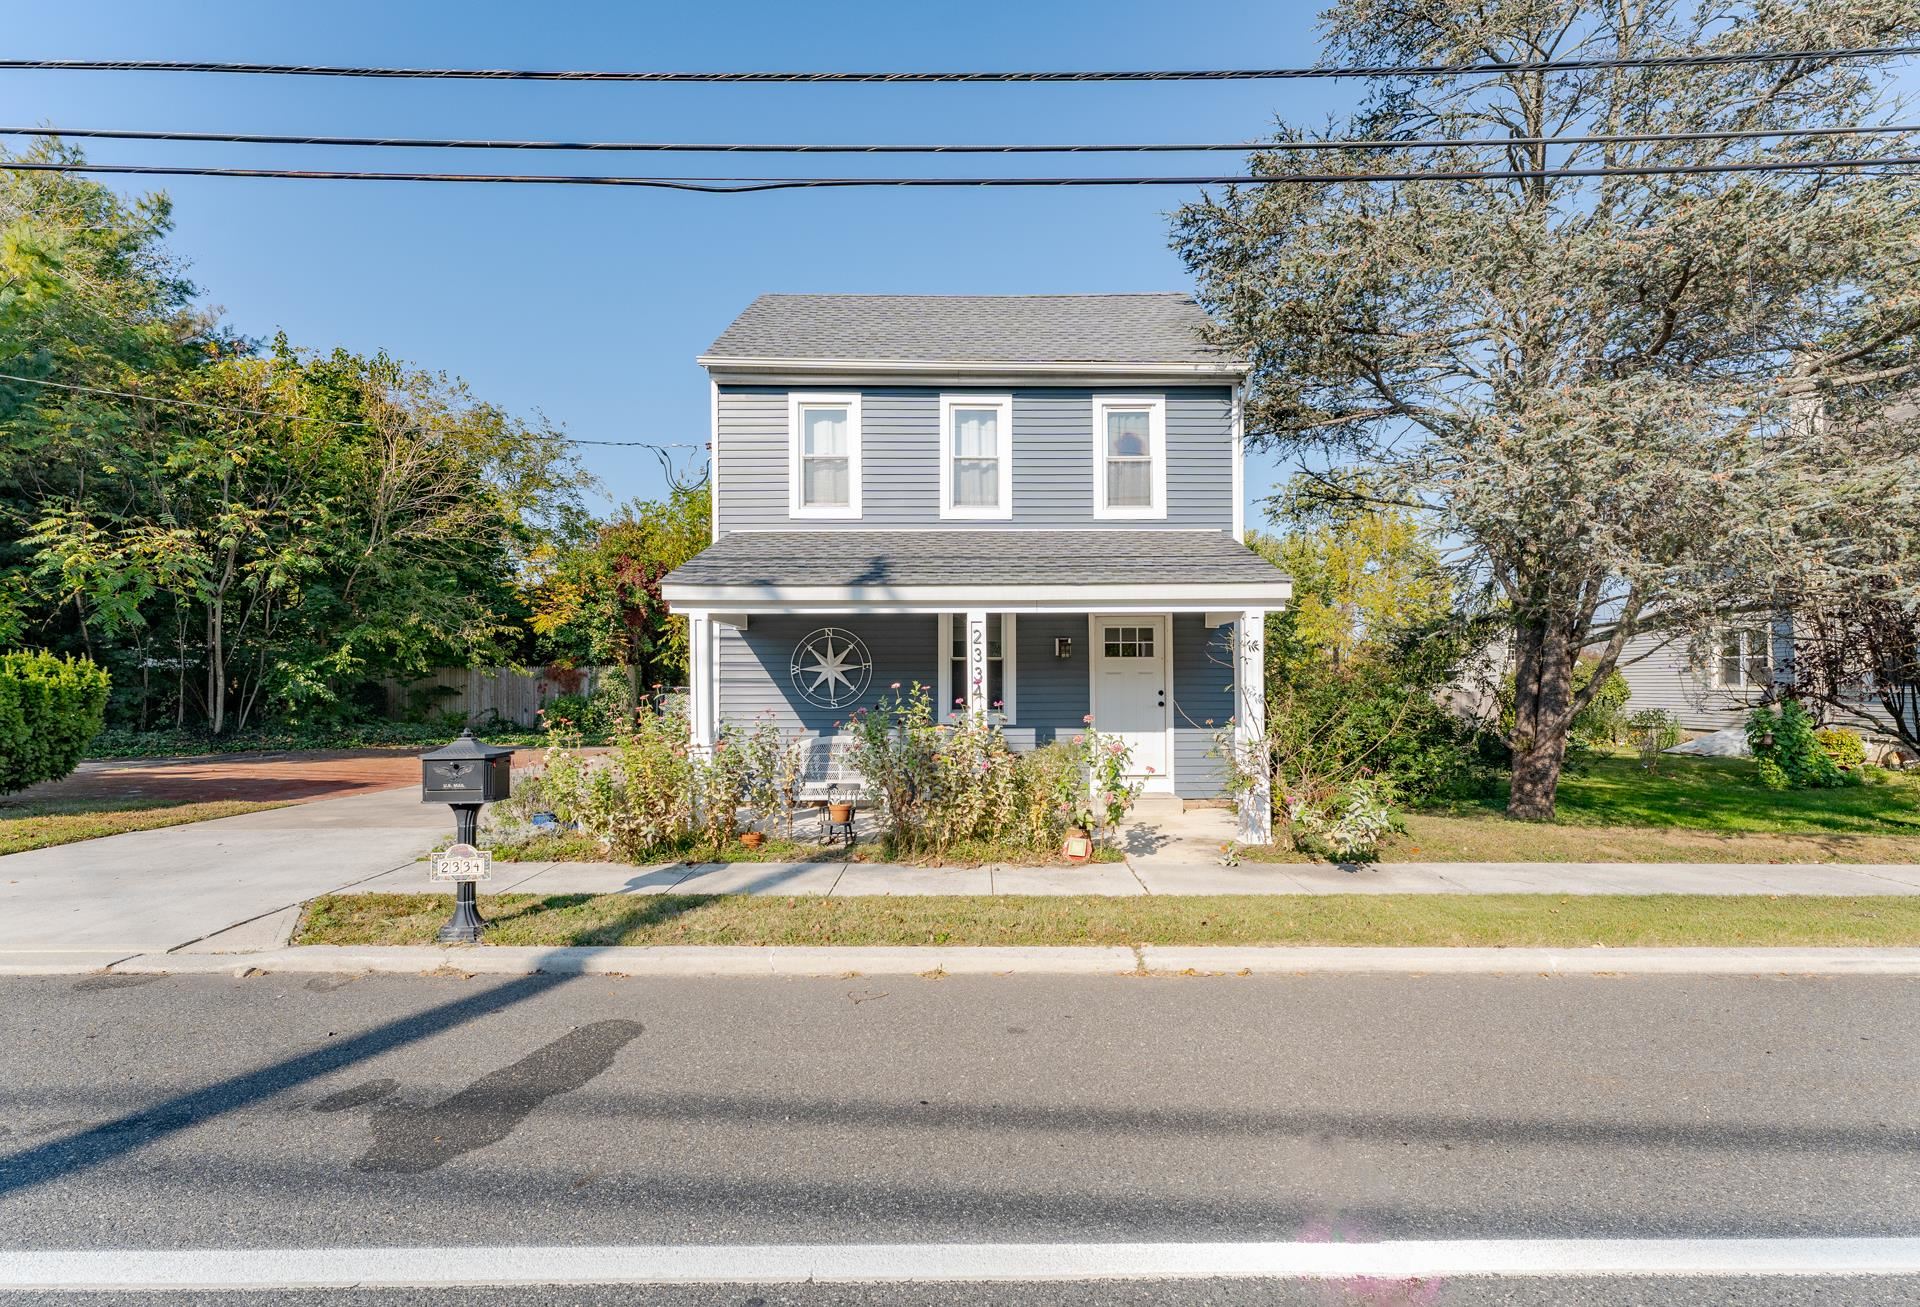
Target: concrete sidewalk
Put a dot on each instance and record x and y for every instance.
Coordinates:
(1142, 876)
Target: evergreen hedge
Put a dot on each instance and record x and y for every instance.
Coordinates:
(49, 708)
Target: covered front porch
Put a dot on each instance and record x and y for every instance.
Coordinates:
(1157, 641)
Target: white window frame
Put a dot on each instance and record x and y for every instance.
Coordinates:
(797, 403)
(1003, 404)
(1748, 638)
(1156, 406)
(1009, 670)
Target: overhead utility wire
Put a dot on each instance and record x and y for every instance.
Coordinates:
(745, 185)
(679, 147)
(269, 413)
(1159, 75)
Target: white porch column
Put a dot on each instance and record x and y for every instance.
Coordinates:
(1250, 721)
(976, 692)
(701, 679)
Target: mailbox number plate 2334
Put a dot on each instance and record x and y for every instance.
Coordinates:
(463, 862)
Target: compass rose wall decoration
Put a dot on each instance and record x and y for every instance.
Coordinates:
(831, 668)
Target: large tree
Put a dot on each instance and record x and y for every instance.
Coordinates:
(1609, 392)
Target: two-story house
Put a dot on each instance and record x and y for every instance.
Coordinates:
(1030, 504)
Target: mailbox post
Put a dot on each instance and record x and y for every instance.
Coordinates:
(466, 775)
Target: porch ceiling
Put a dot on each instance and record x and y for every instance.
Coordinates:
(1139, 569)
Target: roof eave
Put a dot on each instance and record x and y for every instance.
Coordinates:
(993, 367)
(1106, 597)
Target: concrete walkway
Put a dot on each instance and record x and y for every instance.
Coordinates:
(1139, 876)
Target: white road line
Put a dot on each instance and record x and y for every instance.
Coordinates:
(210, 1270)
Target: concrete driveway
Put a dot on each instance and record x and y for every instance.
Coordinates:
(160, 890)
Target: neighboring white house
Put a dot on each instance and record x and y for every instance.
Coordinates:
(1707, 689)
(1030, 503)
(1713, 685)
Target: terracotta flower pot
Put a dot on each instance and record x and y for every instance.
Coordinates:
(1078, 846)
(839, 812)
(753, 839)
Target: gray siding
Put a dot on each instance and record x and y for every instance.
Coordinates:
(1202, 703)
(900, 450)
(1053, 693)
(754, 666)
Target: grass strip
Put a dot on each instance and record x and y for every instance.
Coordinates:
(1542, 920)
(41, 825)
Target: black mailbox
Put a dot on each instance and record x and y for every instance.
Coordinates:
(466, 771)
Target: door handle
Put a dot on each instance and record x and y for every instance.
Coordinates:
(1163, 700)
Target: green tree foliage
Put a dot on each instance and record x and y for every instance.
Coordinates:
(1358, 663)
(597, 601)
(49, 708)
(1629, 399)
(284, 530)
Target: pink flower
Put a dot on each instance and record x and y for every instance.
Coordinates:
(1116, 748)
(896, 685)
(1149, 771)
(1087, 720)
(1079, 739)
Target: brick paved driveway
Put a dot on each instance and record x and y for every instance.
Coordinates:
(262, 777)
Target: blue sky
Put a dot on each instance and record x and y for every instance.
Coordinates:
(590, 305)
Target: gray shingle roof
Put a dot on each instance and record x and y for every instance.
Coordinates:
(974, 558)
(1108, 329)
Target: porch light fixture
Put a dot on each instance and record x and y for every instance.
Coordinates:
(1063, 646)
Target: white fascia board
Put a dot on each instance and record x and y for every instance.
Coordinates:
(1002, 598)
(969, 367)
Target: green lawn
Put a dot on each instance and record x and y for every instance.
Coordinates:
(1721, 795)
(45, 823)
(1513, 920)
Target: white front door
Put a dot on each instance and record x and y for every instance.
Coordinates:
(1132, 684)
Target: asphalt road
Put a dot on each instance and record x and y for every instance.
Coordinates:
(271, 1112)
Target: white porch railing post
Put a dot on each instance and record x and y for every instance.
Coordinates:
(701, 679)
(976, 663)
(1250, 722)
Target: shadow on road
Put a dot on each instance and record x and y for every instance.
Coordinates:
(111, 1139)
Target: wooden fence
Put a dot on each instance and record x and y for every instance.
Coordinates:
(486, 694)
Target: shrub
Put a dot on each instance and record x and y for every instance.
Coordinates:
(1346, 825)
(1603, 721)
(49, 709)
(945, 786)
(1845, 747)
(1787, 754)
(1653, 731)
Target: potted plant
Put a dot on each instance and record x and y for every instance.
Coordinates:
(752, 839)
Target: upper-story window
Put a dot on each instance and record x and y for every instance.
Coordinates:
(976, 463)
(823, 455)
(1129, 456)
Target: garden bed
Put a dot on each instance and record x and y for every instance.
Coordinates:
(580, 848)
(1422, 920)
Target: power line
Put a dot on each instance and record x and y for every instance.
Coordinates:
(917, 78)
(677, 147)
(748, 185)
(269, 413)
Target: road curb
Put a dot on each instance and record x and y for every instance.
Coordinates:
(1225, 959)
(693, 960)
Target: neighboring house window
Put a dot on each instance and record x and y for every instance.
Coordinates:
(976, 467)
(1129, 456)
(1000, 664)
(1744, 660)
(823, 455)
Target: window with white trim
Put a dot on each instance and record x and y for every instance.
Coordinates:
(1129, 456)
(1744, 660)
(823, 455)
(976, 459)
(1001, 665)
